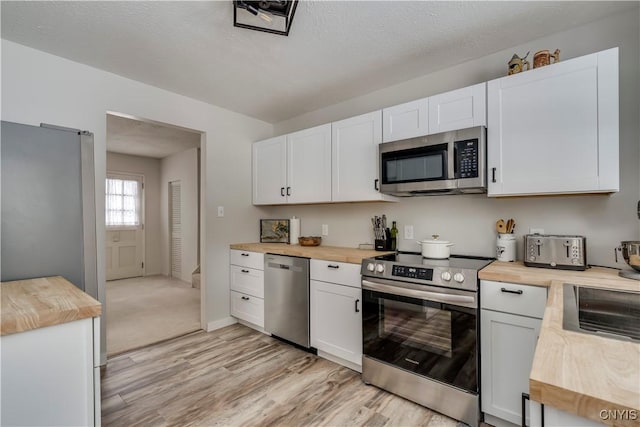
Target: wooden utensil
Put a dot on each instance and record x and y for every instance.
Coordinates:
(513, 226)
(501, 226)
(509, 225)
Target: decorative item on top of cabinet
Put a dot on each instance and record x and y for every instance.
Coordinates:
(543, 57)
(555, 130)
(517, 64)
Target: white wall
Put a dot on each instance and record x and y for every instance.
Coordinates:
(150, 169)
(181, 167)
(469, 221)
(39, 87)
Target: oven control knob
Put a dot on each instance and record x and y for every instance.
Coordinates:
(371, 266)
(458, 277)
(380, 268)
(446, 276)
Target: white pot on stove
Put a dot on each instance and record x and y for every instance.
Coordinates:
(436, 248)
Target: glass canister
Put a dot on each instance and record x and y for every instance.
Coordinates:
(506, 247)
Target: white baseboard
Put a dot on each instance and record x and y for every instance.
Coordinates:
(340, 361)
(218, 324)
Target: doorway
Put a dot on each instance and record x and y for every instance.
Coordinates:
(152, 214)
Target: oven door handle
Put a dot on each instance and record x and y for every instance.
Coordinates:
(463, 300)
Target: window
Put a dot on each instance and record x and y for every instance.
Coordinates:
(122, 202)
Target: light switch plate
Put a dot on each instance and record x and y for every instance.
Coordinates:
(325, 229)
(220, 210)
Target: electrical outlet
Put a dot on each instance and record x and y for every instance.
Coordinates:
(408, 232)
(220, 210)
(325, 229)
(536, 231)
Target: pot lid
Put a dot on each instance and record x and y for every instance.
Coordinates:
(436, 240)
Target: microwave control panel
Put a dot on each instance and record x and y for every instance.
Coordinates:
(466, 158)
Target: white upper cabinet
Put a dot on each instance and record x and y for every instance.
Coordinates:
(458, 109)
(354, 148)
(294, 168)
(406, 120)
(554, 130)
(270, 171)
(309, 165)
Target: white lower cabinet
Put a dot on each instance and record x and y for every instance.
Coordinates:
(246, 285)
(556, 418)
(336, 312)
(336, 320)
(507, 345)
(247, 307)
(49, 376)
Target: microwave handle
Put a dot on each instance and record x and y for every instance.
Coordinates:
(451, 159)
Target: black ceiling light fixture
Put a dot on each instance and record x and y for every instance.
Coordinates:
(269, 16)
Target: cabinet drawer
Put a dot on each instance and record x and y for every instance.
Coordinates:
(247, 259)
(524, 300)
(335, 272)
(247, 281)
(247, 308)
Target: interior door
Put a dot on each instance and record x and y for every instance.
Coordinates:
(124, 226)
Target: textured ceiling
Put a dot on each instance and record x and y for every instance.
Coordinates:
(141, 138)
(336, 50)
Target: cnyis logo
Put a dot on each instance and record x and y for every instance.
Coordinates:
(619, 414)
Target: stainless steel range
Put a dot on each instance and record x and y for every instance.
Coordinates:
(420, 330)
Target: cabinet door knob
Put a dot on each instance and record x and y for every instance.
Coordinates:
(375, 184)
(335, 267)
(282, 191)
(357, 309)
(493, 174)
(244, 254)
(288, 191)
(245, 298)
(244, 271)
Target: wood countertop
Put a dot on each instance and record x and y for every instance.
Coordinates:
(578, 373)
(327, 253)
(47, 301)
(517, 272)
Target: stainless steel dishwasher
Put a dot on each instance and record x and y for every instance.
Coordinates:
(286, 298)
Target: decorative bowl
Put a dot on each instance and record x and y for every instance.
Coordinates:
(310, 241)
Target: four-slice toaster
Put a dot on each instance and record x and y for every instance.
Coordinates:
(555, 251)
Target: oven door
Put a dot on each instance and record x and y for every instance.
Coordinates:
(430, 332)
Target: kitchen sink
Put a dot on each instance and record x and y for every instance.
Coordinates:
(609, 313)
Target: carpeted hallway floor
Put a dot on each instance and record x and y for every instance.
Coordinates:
(146, 310)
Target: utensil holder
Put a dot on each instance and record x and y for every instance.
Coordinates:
(506, 247)
(383, 244)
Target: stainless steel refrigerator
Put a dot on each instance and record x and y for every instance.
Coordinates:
(48, 208)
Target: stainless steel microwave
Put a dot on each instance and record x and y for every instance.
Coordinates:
(452, 162)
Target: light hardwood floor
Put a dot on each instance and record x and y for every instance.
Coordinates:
(236, 376)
